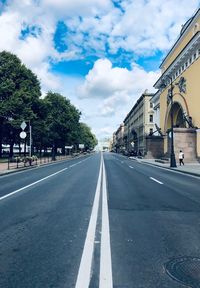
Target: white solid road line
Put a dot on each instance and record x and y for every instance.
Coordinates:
(84, 273)
(27, 186)
(105, 278)
(155, 180)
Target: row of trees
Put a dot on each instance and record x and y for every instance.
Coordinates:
(55, 121)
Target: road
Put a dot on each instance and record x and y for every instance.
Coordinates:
(102, 220)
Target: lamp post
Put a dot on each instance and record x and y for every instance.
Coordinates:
(172, 155)
(30, 139)
(170, 95)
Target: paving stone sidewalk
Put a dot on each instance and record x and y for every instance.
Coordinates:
(192, 168)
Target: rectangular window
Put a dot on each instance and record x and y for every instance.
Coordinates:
(151, 131)
(186, 64)
(151, 118)
(151, 105)
(194, 56)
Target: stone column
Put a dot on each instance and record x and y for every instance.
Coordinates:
(185, 140)
(154, 147)
(198, 143)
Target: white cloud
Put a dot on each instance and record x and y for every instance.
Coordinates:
(76, 7)
(149, 25)
(114, 86)
(108, 93)
(94, 26)
(104, 80)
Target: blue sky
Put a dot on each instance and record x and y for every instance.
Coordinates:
(101, 54)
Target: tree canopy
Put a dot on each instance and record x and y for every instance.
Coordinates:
(55, 121)
(86, 137)
(19, 95)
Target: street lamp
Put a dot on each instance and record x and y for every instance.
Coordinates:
(170, 96)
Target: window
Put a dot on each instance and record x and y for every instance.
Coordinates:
(194, 56)
(151, 131)
(186, 64)
(151, 118)
(151, 105)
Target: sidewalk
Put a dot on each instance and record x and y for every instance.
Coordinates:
(13, 166)
(189, 168)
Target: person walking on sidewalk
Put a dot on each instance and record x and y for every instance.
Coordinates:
(181, 157)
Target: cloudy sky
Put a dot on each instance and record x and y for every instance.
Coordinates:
(101, 54)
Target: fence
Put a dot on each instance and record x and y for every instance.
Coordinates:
(22, 162)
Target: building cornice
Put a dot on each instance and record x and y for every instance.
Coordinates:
(156, 97)
(186, 52)
(137, 103)
(188, 24)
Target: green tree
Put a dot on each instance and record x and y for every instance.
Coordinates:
(61, 122)
(86, 137)
(19, 94)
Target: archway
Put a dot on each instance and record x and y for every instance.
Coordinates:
(178, 117)
(184, 136)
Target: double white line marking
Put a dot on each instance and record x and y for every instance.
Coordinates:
(84, 273)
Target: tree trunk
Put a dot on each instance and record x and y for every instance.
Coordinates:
(25, 147)
(19, 149)
(53, 152)
(0, 145)
(11, 149)
(1, 136)
(63, 150)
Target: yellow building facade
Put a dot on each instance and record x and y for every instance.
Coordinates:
(179, 90)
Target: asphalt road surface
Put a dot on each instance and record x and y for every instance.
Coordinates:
(99, 221)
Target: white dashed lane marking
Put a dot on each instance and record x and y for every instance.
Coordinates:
(155, 180)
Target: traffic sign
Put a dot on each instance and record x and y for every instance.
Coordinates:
(23, 125)
(22, 135)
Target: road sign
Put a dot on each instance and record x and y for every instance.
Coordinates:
(23, 125)
(22, 135)
(81, 146)
(68, 147)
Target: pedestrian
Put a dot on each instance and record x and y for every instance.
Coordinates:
(181, 157)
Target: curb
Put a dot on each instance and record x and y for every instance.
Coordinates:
(16, 170)
(174, 169)
(169, 168)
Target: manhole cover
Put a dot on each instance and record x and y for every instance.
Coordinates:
(185, 270)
